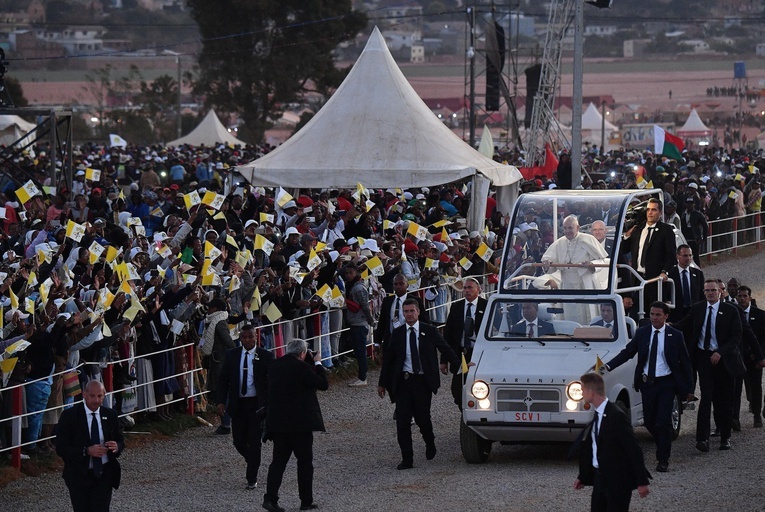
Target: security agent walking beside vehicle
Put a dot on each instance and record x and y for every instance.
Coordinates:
(610, 458)
(663, 371)
(652, 244)
(89, 439)
(292, 416)
(461, 329)
(410, 374)
(243, 389)
(713, 330)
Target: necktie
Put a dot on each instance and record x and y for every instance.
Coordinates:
(531, 330)
(708, 332)
(686, 289)
(595, 428)
(644, 252)
(608, 326)
(469, 325)
(397, 311)
(652, 357)
(245, 371)
(95, 438)
(415, 353)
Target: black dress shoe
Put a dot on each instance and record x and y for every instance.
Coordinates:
(662, 467)
(430, 451)
(735, 425)
(405, 465)
(725, 444)
(702, 446)
(271, 506)
(310, 506)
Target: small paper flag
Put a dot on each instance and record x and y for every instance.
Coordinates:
(272, 313)
(213, 199)
(112, 253)
(314, 260)
(14, 299)
(211, 251)
(266, 217)
(431, 264)
(263, 244)
(191, 199)
(92, 174)
(417, 231)
(282, 197)
(598, 363)
(484, 252)
(375, 265)
(75, 231)
(27, 192)
(466, 263)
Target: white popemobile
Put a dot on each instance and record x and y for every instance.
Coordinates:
(557, 313)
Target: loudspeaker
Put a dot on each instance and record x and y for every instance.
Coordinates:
(533, 75)
(495, 62)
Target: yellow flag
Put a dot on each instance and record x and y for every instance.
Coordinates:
(464, 366)
(272, 313)
(125, 287)
(376, 266)
(431, 264)
(29, 305)
(213, 199)
(219, 216)
(445, 237)
(417, 231)
(598, 363)
(320, 246)
(484, 252)
(27, 192)
(441, 223)
(313, 260)
(191, 199)
(207, 268)
(122, 195)
(466, 263)
(14, 299)
(282, 197)
(256, 301)
(243, 257)
(211, 280)
(92, 174)
(365, 275)
(325, 292)
(266, 217)
(32, 281)
(211, 251)
(111, 253)
(263, 244)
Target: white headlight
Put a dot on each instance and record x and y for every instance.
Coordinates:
(480, 389)
(574, 391)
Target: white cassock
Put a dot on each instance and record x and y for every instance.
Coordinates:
(580, 249)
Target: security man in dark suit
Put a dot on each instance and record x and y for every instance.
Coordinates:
(410, 374)
(663, 371)
(713, 330)
(292, 416)
(754, 359)
(610, 458)
(689, 283)
(652, 245)
(242, 391)
(606, 317)
(461, 329)
(89, 439)
(392, 311)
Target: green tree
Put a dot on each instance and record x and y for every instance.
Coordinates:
(258, 56)
(159, 101)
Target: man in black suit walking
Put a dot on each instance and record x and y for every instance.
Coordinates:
(754, 355)
(242, 391)
(89, 439)
(663, 371)
(652, 245)
(292, 416)
(689, 283)
(392, 311)
(410, 374)
(610, 458)
(713, 330)
(461, 328)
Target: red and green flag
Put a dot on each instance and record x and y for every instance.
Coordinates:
(667, 144)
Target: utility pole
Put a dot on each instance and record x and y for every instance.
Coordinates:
(471, 57)
(576, 125)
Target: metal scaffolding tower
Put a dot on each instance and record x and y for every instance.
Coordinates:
(544, 126)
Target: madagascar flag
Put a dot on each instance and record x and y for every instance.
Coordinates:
(667, 144)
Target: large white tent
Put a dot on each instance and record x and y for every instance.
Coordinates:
(376, 130)
(694, 127)
(593, 127)
(13, 128)
(210, 132)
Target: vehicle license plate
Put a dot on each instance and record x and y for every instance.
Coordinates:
(530, 417)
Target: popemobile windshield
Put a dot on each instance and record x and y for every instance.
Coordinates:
(558, 312)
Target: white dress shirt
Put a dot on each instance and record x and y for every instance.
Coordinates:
(408, 359)
(250, 372)
(601, 409)
(662, 368)
(713, 346)
(89, 418)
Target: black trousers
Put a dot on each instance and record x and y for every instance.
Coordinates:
(285, 444)
(246, 431)
(752, 379)
(716, 388)
(92, 494)
(609, 498)
(413, 398)
(657, 414)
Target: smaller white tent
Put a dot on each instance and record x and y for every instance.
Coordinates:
(13, 128)
(209, 132)
(694, 127)
(593, 127)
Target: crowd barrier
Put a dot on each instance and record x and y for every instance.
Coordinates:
(319, 338)
(728, 235)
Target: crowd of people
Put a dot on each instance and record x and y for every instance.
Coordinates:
(152, 248)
